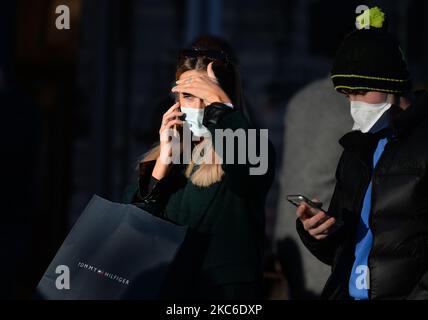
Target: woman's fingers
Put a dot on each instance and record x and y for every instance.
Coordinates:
(170, 116)
(201, 90)
(185, 87)
(166, 132)
(186, 80)
(197, 79)
(170, 123)
(174, 106)
(210, 72)
(198, 91)
(202, 87)
(196, 83)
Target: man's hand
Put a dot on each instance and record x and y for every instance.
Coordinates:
(316, 222)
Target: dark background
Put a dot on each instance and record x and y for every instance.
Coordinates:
(79, 106)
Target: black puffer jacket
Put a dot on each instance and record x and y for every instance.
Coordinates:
(398, 261)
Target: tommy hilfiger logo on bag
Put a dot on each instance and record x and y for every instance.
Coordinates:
(103, 273)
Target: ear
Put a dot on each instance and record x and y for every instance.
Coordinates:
(210, 71)
(393, 99)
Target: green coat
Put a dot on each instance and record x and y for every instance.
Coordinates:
(229, 212)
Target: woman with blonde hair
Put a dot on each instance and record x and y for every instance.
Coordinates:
(221, 200)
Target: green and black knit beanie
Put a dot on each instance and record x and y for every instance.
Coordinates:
(370, 58)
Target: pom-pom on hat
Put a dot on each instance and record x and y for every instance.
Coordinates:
(370, 58)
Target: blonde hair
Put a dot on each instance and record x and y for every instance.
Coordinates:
(206, 174)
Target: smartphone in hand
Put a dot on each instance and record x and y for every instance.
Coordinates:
(297, 199)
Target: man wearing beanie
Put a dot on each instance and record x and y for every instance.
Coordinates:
(375, 232)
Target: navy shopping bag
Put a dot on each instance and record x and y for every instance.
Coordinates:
(114, 251)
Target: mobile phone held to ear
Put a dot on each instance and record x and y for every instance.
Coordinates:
(175, 129)
(297, 199)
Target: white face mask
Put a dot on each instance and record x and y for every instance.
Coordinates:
(194, 117)
(369, 116)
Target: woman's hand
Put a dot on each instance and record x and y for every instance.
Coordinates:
(205, 88)
(169, 120)
(317, 223)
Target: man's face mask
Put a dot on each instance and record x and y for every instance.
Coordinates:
(369, 117)
(193, 118)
